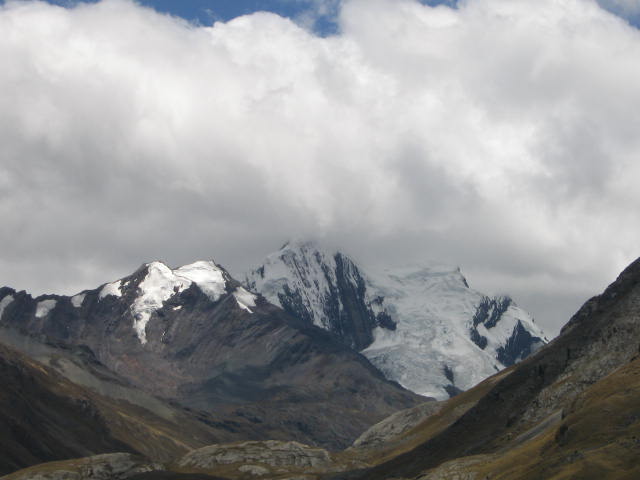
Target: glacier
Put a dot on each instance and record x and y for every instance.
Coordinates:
(420, 325)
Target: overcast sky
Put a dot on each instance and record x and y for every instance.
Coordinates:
(501, 136)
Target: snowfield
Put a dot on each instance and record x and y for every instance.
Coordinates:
(445, 337)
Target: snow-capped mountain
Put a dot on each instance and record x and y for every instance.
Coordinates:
(422, 326)
(161, 283)
(195, 336)
(324, 289)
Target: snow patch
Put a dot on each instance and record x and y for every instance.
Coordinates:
(111, 289)
(207, 276)
(162, 283)
(77, 300)
(4, 303)
(44, 307)
(159, 285)
(245, 299)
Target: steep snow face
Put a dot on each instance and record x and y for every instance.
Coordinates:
(78, 300)
(113, 289)
(299, 270)
(161, 283)
(44, 307)
(245, 299)
(207, 275)
(428, 330)
(4, 303)
(432, 350)
(321, 287)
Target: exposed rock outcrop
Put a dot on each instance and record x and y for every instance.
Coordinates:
(272, 453)
(114, 466)
(385, 431)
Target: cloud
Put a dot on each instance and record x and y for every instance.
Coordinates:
(499, 135)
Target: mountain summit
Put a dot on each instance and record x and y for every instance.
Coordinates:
(422, 325)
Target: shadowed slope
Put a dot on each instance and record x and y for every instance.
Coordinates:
(44, 417)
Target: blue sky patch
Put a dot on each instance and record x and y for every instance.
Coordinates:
(319, 15)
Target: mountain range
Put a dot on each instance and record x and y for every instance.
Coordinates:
(187, 373)
(195, 337)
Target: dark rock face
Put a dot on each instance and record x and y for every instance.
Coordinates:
(292, 303)
(480, 340)
(356, 321)
(488, 314)
(520, 345)
(258, 372)
(490, 310)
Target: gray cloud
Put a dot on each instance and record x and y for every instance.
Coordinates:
(501, 136)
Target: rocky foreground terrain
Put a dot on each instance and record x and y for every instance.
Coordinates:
(570, 410)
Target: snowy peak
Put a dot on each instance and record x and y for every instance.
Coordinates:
(208, 276)
(418, 280)
(196, 336)
(155, 284)
(299, 278)
(322, 287)
(161, 283)
(153, 289)
(421, 325)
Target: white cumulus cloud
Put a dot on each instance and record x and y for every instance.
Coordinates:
(500, 135)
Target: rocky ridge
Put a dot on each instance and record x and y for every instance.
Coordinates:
(267, 454)
(194, 336)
